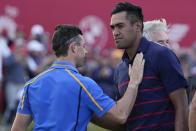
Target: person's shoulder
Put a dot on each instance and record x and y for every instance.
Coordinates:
(40, 77)
(88, 83)
(158, 48)
(88, 80)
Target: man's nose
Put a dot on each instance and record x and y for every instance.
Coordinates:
(116, 32)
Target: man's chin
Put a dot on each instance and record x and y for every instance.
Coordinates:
(120, 47)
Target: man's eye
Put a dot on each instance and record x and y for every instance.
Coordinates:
(167, 41)
(120, 26)
(161, 41)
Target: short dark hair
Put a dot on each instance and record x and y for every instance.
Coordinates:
(63, 36)
(134, 12)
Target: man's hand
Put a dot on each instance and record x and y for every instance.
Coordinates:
(136, 71)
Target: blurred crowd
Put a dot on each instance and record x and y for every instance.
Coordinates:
(22, 58)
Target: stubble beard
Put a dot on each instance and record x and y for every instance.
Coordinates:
(80, 62)
(122, 45)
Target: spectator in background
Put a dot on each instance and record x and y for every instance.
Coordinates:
(192, 64)
(37, 59)
(4, 53)
(38, 34)
(116, 55)
(15, 77)
(36, 54)
(37, 48)
(185, 62)
(104, 74)
(162, 103)
(157, 31)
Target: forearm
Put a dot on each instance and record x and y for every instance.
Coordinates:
(21, 122)
(125, 104)
(121, 111)
(192, 120)
(181, 120)
(17, 129)
(180, 102)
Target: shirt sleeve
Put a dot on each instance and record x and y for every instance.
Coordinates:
(95, 99)
(24, 106)
(170, 71)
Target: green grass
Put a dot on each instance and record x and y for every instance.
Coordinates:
(91, 127)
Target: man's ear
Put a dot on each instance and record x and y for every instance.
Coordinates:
(138, 26)
(72, 48)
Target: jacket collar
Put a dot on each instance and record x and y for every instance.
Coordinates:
(64, 64)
